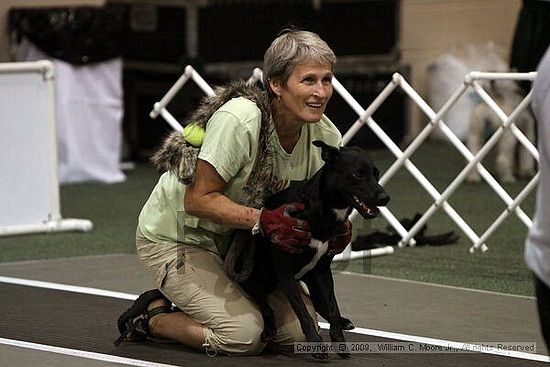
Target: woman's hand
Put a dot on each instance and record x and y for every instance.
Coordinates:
(341, 238)
(289, 233)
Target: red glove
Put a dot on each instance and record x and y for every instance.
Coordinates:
(289, 233)
(341, 238)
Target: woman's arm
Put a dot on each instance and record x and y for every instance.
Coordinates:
(204, 198)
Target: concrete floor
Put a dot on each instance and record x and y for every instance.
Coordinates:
(371, 302)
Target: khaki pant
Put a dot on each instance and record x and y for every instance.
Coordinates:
(194, 280)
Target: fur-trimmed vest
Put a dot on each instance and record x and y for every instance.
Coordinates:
(179, 157)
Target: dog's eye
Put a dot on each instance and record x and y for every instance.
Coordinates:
(358, 175)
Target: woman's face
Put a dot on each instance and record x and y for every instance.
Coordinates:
(306, 93)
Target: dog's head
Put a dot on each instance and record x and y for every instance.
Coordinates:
(350, 175)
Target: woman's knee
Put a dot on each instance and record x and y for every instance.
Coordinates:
(243, 338)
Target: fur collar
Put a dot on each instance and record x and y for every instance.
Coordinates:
(180, 157)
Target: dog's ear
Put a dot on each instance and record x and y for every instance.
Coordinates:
(329, 153)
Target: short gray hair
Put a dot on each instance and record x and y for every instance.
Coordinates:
(290, 48)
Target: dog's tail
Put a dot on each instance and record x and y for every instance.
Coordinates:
(239, 261)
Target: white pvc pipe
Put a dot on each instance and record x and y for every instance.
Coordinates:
(202, 83)
(473, 160)
(460, 146)
(435, 121)
(411, 148)
(171, 120)
(44, 67)
(483, 172)
(159, 108)
(51, 226)
(360, 111)
(167, 98)
(396, 224)
(503, 117)
(506, 213)
(474, 75)
(48, 72)
(364, 118)
(461, 176)
(353, 255)
(407, 237)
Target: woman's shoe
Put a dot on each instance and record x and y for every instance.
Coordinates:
(130, 320)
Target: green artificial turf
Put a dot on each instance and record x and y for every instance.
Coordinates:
(114, 210)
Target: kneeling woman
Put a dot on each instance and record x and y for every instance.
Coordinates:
(254, 144)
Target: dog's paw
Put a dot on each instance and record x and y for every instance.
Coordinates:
(346, 324)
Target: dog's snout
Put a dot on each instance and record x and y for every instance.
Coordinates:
(382, 198)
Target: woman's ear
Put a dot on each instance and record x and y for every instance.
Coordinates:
(275, 86)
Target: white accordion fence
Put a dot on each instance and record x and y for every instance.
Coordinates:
(440, 199)
(30, 192)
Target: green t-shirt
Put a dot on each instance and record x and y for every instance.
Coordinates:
(230, 146)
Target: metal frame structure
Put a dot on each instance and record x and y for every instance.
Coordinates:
(440, 199)
(37, 211)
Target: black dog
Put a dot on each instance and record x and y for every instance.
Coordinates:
(348, 180)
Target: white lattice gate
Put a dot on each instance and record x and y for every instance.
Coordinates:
(440, 199)
(30, 186)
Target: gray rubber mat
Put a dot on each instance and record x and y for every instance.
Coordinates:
(88, 323)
